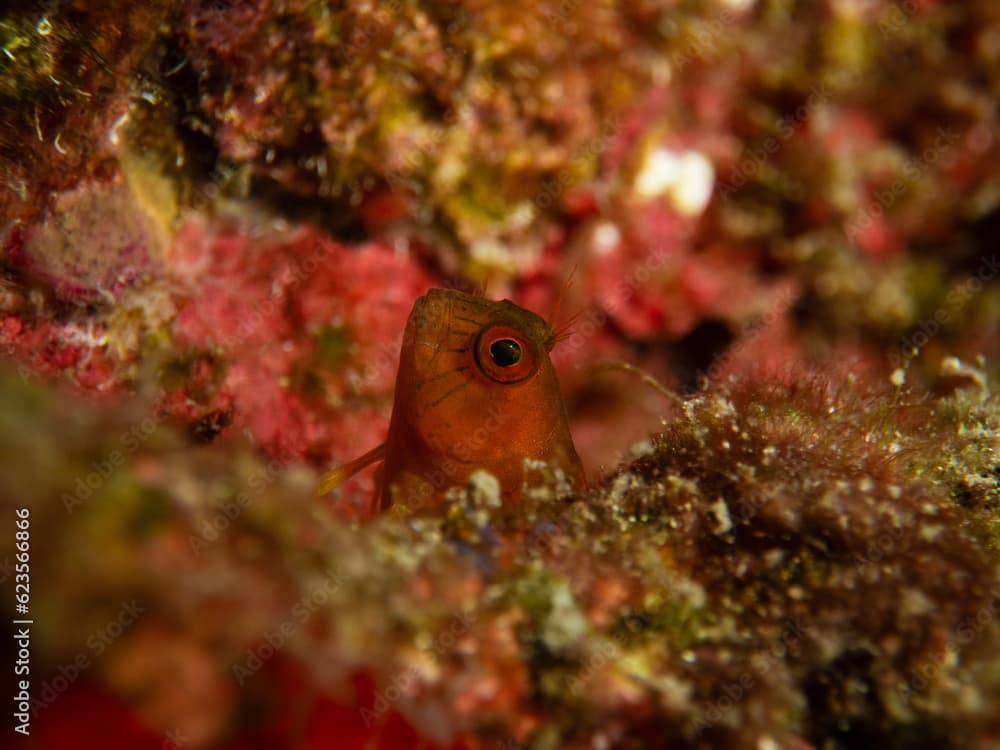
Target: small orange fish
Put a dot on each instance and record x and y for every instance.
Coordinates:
(475, 389)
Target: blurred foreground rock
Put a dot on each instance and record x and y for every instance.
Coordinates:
(797, 564)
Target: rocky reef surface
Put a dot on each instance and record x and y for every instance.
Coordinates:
(214, 219)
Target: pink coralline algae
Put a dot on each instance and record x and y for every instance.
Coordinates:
(96, 243)
(75, 351)
(293, 331)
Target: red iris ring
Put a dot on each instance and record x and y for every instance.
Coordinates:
(521, 370)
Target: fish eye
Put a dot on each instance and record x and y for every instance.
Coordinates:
(505, 352)
(505, 355)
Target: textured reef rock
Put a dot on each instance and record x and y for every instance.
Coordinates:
(701, 169)
(785, 564)
(464, 107)
(286, 329)
(70, 71)
(214, 218)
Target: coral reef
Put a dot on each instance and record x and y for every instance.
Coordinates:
(214, 220)
(797, 564)
(69, 71)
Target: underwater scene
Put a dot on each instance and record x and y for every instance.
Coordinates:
(500, 375)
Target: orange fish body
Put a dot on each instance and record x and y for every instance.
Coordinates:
(475, 390)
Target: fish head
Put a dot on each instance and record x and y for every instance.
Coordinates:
(476, 389)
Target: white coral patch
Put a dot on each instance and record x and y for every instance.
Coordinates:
(685, 179)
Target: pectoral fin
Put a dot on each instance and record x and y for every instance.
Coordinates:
(333, 479)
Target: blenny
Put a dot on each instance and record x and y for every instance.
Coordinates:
(475, 389)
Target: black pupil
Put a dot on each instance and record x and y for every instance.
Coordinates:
(505, 352)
